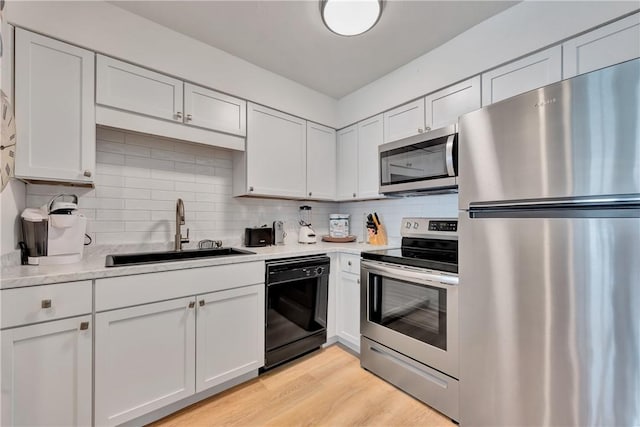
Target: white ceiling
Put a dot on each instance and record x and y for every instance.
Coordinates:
(289, 38)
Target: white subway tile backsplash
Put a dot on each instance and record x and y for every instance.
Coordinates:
(123, 193)
(123, 215)
(151, 184)
(105, 226)
(173, 195)
(109, 158)
(153, 205)
(173, 155)
(106, 134)
(109, 180)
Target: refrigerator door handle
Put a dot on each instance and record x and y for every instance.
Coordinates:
(584, 202)
(449, 155)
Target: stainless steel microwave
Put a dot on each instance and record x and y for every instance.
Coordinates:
(420, 163)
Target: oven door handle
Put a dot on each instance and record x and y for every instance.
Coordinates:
(430, 279)
(449, 155)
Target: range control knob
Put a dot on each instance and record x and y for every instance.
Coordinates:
(319, 270)
(407, 225)
(415, 225)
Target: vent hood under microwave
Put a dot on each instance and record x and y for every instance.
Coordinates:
(427, 162)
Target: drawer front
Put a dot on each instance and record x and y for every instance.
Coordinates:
(125, 291)
(22, 306)
(350, 263)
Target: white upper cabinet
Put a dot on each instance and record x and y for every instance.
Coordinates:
(347, 141)
(128, 87)
(443, 108)
(321, 162)
(276, 154)
(523, 75)
(605, 46)
(213, 110)
(138, 99)
(54, 110)
(230, 335)
(46, 374)
(370, 136)
(404, 121)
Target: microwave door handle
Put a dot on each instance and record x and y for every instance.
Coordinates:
(449, 155)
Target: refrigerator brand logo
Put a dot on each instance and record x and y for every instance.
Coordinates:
(545, 102)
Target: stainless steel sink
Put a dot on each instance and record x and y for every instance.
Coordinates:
(117, 260)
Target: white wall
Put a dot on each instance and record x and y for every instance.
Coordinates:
(105, 28)
(12, 202)
(139, 178)
(519, 30)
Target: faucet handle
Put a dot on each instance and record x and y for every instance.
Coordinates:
(185, 239)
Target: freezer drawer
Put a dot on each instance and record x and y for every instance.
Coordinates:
(549, 320)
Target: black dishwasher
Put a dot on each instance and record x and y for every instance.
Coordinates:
(296, 307)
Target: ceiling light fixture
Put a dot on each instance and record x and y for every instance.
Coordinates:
(350, 17)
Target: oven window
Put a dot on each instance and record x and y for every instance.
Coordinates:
(418, 311)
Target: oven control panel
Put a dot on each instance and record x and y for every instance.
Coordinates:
(420, 227)
(443, 226)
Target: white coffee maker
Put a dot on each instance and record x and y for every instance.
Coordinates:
(54, 233)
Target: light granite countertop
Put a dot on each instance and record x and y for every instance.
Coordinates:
(93, 263)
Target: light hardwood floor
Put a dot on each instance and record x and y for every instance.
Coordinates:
(326, 388)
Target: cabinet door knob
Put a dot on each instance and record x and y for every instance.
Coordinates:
(420, 130)
(358, 280)
(192, 304)
(427, 129)
(46, 303)
(189, 117)
(250, 188)
(201, 303)
(354, 194)
(179, 115)
(84, 326)
(349, 263)
(310, 193)
(87, 173)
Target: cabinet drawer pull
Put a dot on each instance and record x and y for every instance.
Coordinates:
(192, 304)
(87, 173)
(46, 303)
(84, 326)
(201, 303)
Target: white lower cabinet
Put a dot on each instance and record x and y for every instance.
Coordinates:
(145, 359)
(46, 374)
(348, 302)
(230, 335)
(151, 354)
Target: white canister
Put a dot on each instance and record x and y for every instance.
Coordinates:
(338, 225)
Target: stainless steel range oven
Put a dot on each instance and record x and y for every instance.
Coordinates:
(409, 315)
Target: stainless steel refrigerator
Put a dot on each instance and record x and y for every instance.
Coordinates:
(549, 195)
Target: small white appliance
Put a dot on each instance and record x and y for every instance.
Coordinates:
(306, 233)
(54, 233)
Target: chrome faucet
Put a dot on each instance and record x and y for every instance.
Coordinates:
(179, 240)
